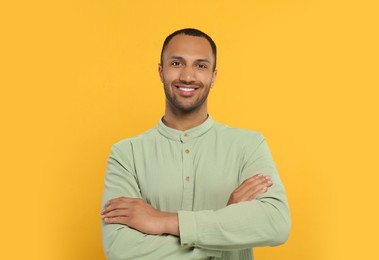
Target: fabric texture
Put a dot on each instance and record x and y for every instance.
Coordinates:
(193, 173)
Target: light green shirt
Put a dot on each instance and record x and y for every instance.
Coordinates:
(193, 173)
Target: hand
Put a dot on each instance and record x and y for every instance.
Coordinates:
(250, 189)
(138, 214)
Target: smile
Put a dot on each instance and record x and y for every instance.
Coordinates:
(186, 89)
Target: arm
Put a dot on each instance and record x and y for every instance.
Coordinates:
(137, 214)
(264, 221)
(121, 242)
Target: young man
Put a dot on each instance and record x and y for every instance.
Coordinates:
(191, 188)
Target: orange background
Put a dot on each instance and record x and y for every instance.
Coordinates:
(77, 76)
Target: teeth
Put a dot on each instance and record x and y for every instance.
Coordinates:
(187, 89)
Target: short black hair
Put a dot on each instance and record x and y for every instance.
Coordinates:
(191, 32)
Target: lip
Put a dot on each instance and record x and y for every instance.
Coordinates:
(186, 90)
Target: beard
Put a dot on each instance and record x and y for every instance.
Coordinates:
(189, 106)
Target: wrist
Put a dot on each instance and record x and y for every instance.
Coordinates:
(170, 223)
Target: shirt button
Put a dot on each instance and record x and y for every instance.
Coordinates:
(186, 135)
(187, 178)
(187, 151)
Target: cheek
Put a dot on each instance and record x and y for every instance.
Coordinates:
(206, 79)
(168, 76)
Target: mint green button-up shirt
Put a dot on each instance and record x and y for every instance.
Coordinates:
(193, 173)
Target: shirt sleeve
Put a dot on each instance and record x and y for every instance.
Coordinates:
(121, 242)
(264, 221)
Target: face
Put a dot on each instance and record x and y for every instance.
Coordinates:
(187, 73)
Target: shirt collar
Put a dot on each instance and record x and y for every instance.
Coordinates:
(186, 135)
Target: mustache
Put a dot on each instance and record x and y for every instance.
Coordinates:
(189, 83)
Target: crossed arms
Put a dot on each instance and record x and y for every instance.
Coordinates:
(138, 214)
(255, 215)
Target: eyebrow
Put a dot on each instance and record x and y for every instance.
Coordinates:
(181, 58)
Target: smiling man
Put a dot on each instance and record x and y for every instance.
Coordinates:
(187, 72)
(191, 188)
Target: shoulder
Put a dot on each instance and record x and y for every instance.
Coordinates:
(250, 144)
(128, 143)
(238, 134)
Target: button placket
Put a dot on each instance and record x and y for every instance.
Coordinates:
(187, 203)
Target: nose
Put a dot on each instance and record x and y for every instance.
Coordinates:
(187, 74)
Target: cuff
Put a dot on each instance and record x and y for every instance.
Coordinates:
(187, 228)
(188, 235)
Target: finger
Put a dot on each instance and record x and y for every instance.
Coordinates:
(253, 183)
(269, 181)
(259, 189)
(123, 206)
(255, 179)
(115, 213)
(116, 204)
(255, 194)
(252, 194)
(116, 220)
(258, 186)
(116, 200)
(110, 202)
(252, 178)
(248, 180)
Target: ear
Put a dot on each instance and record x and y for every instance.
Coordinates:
(160, 71)
(214, 76)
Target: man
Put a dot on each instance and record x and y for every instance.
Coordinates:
(191, 188)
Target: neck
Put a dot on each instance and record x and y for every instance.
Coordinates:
(183, 121)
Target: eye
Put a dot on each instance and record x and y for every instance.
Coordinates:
(202, 66)
(176, 63)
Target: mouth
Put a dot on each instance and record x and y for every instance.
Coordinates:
(185, 90)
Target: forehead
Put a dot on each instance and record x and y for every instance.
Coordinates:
(189, 47)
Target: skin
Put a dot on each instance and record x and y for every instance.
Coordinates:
(187, 62)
